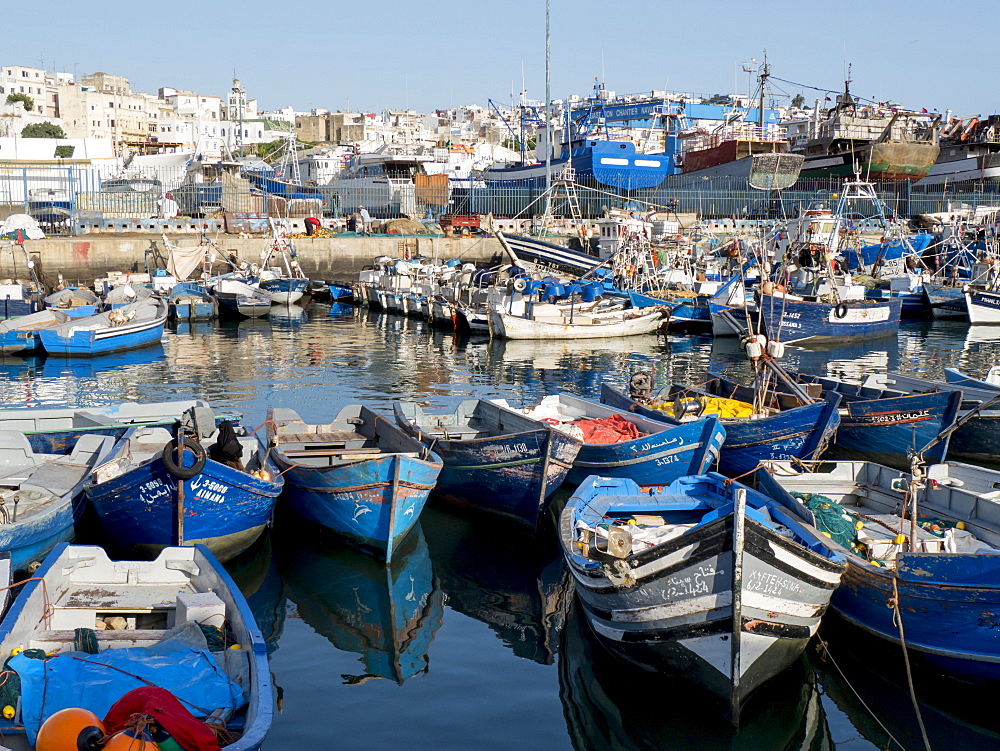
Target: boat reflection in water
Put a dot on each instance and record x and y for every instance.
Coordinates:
(609, 704)
(388, 614)
(255, 572)
(518, 587)
(861, 668)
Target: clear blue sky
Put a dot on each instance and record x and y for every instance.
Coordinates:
(391, 53)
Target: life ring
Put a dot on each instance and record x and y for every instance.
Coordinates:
(841, 310)
(169, 457)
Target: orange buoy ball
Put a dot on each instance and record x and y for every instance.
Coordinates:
(131, 740)
(71, 729)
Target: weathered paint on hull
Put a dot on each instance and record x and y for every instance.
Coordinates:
(802, 322)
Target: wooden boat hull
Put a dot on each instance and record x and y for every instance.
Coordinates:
(224, 509)
(22, 334)
(805, 322)
(885, 429)
(676, 611)
(512, 476)
(803, 432)
(945, 301)
(506, 326)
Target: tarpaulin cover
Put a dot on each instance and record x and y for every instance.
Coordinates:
(614, 429)
(96, 682)
(181, 262)
(192, 734)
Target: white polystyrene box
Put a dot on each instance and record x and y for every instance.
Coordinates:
(201, 607)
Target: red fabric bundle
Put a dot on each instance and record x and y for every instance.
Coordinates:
(167, 712)
(614, 429)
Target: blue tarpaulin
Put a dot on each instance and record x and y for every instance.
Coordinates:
(95, 682)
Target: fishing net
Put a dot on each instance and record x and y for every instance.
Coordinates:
(605, 430)
(833, 520)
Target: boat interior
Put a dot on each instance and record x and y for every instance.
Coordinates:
(472, 419)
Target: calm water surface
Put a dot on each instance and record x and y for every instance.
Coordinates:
(472, 639)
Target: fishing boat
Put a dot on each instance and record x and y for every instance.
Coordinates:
(39, 493)
(990, 382)
(150, 495)
(237, 298)
(923, 553)
(495, 460)
(49, 205)
(21, 334)
(188, 301)
(155, 617)
(751, 436)
(946, 300)
(387, 613)
(976, 436)
(125, 294)
(359, 476)
(139, 324)
(983, 305)
(703, 577)
(75, 301)
(791, 318)
(881, 425)
(548, 321)
(618, 443)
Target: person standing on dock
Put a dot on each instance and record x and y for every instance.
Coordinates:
(366, 221)
(312, 224)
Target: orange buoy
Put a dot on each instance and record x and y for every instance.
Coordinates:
(70, 729)
(131, 739)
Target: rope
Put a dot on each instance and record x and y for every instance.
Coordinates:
(897, 618)
(825, 647)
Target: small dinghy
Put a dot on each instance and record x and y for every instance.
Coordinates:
(703, 578)
(617, 443)
(76, 302)
(359, 476)
(94, 635)
(39, 493)
(237, 298)
(495, 460)
(192, 302)
(124, 294)
(139, 324)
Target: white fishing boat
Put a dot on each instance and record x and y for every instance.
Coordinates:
(547, 321)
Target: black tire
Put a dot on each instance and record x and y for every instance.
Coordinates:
(840, 311)
(169, 457)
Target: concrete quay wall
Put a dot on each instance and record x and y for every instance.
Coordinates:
(83, 259)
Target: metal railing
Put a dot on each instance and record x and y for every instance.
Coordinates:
(93, 199)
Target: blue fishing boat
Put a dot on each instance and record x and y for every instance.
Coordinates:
(881, 425)
(49, 205)
(285, 290)
(359, 476)
(495, 460)
(188, 301)
(222, 497)
(703, 577)
(75, 302)
(125, 294)
(385, 612)
(946, 300)
(40, 493)
(618, 443)
(990, 383)
(129, 327)
(176, 599)
(22, 334)
(923, 555)
(802, 432)
(790, 319)
(537, 251)
(977, 435)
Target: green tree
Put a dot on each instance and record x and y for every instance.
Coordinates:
(42, 130)
(29, 103)
(272, 150)
(798, 100)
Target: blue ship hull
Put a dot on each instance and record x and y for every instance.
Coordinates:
(799, 433)
(512, 476)
(884, 428)
(913, 304)
(17, 308)
(801, 321)
(612, 163)
(131, 335)
(33, 540)
(224, 509)
(945, 300)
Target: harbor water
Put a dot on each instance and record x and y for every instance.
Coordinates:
(471, 639)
